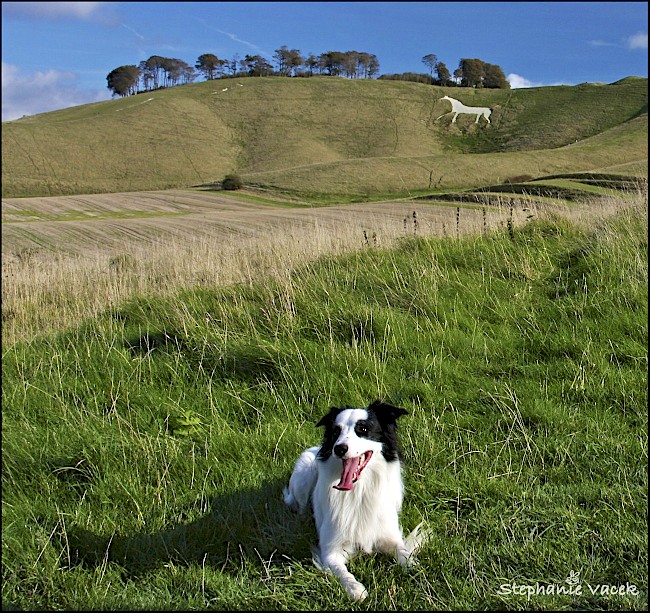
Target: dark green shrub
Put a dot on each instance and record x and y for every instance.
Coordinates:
(231, 182)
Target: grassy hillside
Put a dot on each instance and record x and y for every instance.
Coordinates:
(144, 450)
(323, 136)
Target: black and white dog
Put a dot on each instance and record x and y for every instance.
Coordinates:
(354, 480)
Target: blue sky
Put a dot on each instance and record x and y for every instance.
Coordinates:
(57, 54)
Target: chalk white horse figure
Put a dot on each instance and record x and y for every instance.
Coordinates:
(458, 107)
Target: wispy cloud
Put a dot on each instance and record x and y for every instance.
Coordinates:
(146, 45)
(84, 11)
(602, 43)
(234, 37)
(40, 92)
(638, 41)
(130, 29)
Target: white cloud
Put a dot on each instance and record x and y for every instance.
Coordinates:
(85, 11)
(638, 41)
(518, 82)
(40, 92)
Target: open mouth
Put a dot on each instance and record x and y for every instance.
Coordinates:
(352, 468)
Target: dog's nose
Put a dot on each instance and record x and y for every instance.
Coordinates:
(340, 450)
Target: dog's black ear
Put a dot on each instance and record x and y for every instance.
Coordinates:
(387, 412)
(326, 420)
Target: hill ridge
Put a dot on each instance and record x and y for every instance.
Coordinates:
(321, 135)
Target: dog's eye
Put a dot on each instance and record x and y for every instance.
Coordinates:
(361, 429)
(336, 430)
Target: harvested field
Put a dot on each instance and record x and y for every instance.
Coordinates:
(69, 257)
(104, 222)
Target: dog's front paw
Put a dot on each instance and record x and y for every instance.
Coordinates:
(356, 590)
(407, 560)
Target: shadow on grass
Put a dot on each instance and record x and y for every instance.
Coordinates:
(250, 524)
(249, 361)
(152, 341)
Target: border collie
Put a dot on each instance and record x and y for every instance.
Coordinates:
(354, 480)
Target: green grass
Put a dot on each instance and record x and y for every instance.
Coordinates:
(144, 452)
(323, 137)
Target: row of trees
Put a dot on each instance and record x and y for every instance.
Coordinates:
(470, 73)
(157, 71)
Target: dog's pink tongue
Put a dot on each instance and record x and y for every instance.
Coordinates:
(350, 467)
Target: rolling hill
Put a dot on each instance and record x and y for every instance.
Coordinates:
(324, 137)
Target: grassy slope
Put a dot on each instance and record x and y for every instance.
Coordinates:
(322, 135)
(144, 452)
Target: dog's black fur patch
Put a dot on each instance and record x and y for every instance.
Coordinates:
(380, 426)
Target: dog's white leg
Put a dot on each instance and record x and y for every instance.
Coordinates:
(418, 537)
(405, 556)
(396, 546)
(405, 549)
(336, 562)
(301, 484)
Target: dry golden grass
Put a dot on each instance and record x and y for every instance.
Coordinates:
(85, 254)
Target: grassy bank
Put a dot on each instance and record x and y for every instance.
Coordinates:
(144, 450)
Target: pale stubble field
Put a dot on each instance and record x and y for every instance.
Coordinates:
(70, 257)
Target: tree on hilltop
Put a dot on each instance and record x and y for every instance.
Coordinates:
(152, 72)
(352, 64)
(472, 71)
(232, 64)
(123, 81)
(332, 62)
(431, 61)
(444, 76)
(287, 60)
(477, 73)
(256, 66)
(311, 64)
(210, 66)
(368, 65)
(493, 77)
(158, 71)
(177, 71)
